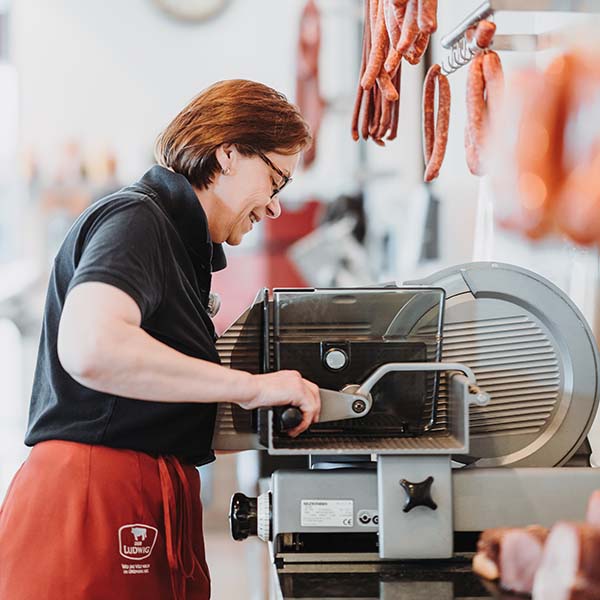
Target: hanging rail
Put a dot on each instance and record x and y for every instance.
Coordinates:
(462, 51)
(489, 7)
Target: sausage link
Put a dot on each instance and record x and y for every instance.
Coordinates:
(367, 112)
(410, 27)
(363, 64)
(442, 127)
(429, 111)
(393, 60)
(399, 9)
(493, 76)
(379, 48)
(415, 52)
(472, 156)
(386, 118)
(427, 16)
(484, 34)
(396, 108)
(360, 96)
(475, 112)
(386, 86)
(376, 117)
(391, 23)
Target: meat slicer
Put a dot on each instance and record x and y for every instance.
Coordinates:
(449, 405)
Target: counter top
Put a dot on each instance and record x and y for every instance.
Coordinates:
(433, 580)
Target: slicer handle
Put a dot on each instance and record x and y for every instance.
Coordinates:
(291, 417)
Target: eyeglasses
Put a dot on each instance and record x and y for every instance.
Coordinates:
(286, 179)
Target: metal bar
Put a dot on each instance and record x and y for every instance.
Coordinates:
(490, 7)
(481, 12)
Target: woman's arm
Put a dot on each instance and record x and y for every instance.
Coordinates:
(102, 346)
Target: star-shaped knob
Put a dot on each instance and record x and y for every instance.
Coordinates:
(418, 494)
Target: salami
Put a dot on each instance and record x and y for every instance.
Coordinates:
(435, 152)
(379, 48)
(539, 149)
(476, 109)
(484, 33)
(429, 111)
(391, 23)
(410, 27)
(415, 52)
(308, 94)
(493, 76)
(396, 106)
(427, 16)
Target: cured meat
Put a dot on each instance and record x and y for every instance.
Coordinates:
(476, 109)
(435, 131)
(415, 52)
(511, 555)
(427, 16)
(410, 27)
(569, 567)
(308, 94)
(379, 48)
(539, 148)
(484, 33)
(485, 90)
(578, 201)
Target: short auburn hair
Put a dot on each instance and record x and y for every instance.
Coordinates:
(250, 115)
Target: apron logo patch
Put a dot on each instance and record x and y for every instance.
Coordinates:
(137, 540)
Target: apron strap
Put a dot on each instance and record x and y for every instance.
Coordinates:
(177, 508)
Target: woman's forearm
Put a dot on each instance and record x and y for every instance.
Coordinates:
(127, 361)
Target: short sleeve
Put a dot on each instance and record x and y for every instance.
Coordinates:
(124, 249)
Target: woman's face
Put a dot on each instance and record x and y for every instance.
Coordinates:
(242, 194)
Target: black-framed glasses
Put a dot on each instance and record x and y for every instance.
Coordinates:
(286, 179)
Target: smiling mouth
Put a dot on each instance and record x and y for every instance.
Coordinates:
(254, 218)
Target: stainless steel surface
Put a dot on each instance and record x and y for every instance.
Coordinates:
(531, 349)
(424, 532)
(451, 440)
(340, 405)
(489, 7)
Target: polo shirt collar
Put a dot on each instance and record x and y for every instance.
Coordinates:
(177, 198)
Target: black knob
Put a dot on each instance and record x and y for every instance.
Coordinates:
(418, 494)
(291, 417)
(242, 516)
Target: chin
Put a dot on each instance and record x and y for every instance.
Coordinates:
(234, 240)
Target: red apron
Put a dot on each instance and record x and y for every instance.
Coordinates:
(88, 522)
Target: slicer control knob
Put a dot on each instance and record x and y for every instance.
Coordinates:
(418, 494)
(335, 359)
(243, 516)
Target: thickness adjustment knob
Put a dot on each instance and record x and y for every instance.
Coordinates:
(418, 494)
(242, 516)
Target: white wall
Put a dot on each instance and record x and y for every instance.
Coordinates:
(114, 73)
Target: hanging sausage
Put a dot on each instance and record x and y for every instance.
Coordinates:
(308, 95)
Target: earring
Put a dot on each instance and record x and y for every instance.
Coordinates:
(226, 171)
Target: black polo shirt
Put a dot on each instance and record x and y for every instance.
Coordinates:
(150, 240)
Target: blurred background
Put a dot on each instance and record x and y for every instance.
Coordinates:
(85, 87)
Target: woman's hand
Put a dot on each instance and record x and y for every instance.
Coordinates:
(284, 388)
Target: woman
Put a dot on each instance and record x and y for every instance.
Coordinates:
(124, 399)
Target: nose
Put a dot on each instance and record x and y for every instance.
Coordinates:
(274, 208)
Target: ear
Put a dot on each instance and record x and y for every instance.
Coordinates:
(227, 156)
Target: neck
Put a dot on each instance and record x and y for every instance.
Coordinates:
(209, 202)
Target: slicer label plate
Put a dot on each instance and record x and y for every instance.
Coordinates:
(327, 513)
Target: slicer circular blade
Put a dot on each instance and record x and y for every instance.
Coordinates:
(532, 350)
